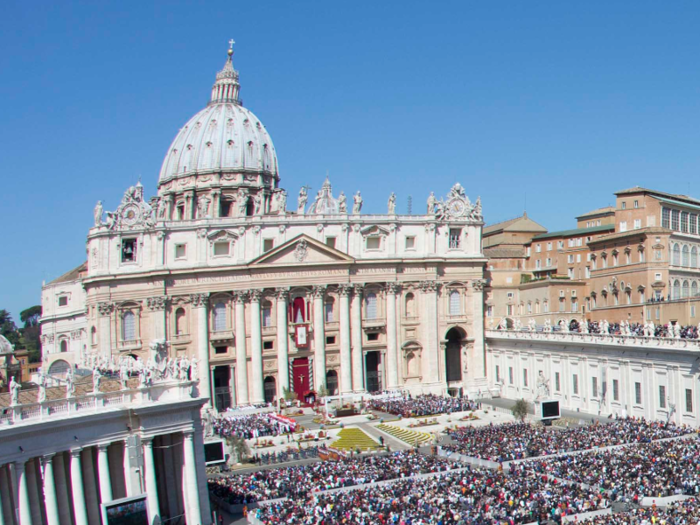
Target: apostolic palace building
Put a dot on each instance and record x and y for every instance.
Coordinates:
(270, 295)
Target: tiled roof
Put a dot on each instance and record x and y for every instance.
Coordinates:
(72, 275)
(576, 231)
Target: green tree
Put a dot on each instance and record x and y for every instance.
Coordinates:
(238, 447)
(30, 334)
(8, 328)
(322, 391)
(288, 395)
(521, 409)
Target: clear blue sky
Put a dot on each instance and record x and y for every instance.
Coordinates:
(559, 103)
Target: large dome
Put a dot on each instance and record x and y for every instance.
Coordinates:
(224, 137)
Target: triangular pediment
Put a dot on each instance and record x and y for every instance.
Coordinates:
(302, 250)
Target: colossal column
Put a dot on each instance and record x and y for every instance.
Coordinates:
(258, 390)
(282, 341)
(430, 322)
(50, 498)
(76, 480)
(151, 485)
(476, 360)
(25, 509)
(345, 354)
(2, 509)
(105, 310)
(358, 383)
(199, 303)
(319, 337)
(392, 372)
(241, 352)
(157, 307)
(103, 473)
(194, 513)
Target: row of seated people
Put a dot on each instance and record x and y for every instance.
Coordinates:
(422, 405)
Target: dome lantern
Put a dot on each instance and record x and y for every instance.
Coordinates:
(226, 87)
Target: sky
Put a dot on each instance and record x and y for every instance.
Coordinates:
(547, 106)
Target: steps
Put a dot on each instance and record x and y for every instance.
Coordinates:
(354, 438)
(412, 437)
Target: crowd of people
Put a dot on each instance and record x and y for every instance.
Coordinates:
(250, 426)
(681, 513)
(422, 405)
(297, 481)
(512, 441)
(468, 497)
(629, 473)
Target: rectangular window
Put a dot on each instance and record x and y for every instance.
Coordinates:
(675, 220)
(455, 238)
(637, 393)
(328, 310)
(330, 340)
(220, 349)
(662, 396)
(624, 205)
(63, 300)
(538, 248)
(665, 218)
(374, 243)
(330, 241)
(510, 374)
(221, 248)
(594, 387)
(588, 272)
(623, 226)
(684, 222)
(571, 273)
(268, 244)
(498, 374)
(688, 399)
(546, 307)
(574, 305)
(562, 305)
(128, 250)
(692, 311)
(557, 382)
(693, 223)
(561, 245)
(524, 376)
(616, 390)
(267, 316)
(571, 243)
(509, 309)
(538, 264)
(657, 314)
(637, 223)
(575, 384)
(549, 262)
(549, 246)
(570, 258)
(578, 257)
(636, 204)
(180, 251)
(268, 345)
(489, 311)
(410, 243)
(373, 336)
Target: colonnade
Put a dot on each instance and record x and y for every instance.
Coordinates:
(68, 487)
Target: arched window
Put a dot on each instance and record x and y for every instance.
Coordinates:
(455, 303)
(266, 314)
(180, 322)
(545, 305)
(371, 306)
(93, 335)
(410, 310)
(686, 256)
(676, 289)
(64, 345)
(694, 289)
(180, 212)
(537, 307)
(219, 317)
(685, 291)
(694, 257)
(128, 326)
(676, 260)
(328, 310)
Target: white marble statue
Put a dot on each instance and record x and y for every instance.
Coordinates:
(123, 375)
(96, 380)
(282, 202)
(70, 384)
(258, 204)
(542, 386)
(301, 201)
(391, 205)
(562, 326)
(584, 326)
(184, 368)
(98, 213)
(203, 207)
(342, 203)
(194, 369)
(432, 201)
(532, 325)
(41, 394)
(14, 391)
(242, 202)
(517, 324)
(143, 378)
(547, 325)
(357, 203)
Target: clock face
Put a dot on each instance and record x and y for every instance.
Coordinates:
(456, 207)
(130, 215)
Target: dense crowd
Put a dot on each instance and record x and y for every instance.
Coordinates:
(250, 426)
(521, 440)
(422, 405)
(295, 482)
(629, 473)
(681, 513)
(468, 497)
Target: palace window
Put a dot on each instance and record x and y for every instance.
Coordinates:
(328, 310)
(575, 384)
(638, 393)
(694, 257)
(330, 241)
(510, 375)
(221, 248)
(675, 219)
(524, 376)
(666, 218)
(410, 243)
(128, 250)
(455, 238)
(616, 390)
(63, 300)
(662, 396)
(455, 303)
(266, 314)
(219, 317)
(180, 251)
(410, 305)
(93, 336)
(64, 345)
(676, 260)
(688, 399)
(374, 243)
(684, 222)
(557, 382)
(686, 256)
(180, 322)
(693, 223)
(371, 306)
(268, 244)
(128, 326)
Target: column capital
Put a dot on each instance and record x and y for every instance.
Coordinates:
(158, 302)
(358, 289)
(103, 446)
(147, 440)
(393, 288)
(430, 286)
(255, 294)
(319, 292)
(282, 293)
(188, 434)
(105, 308)
(478, 285)
(75, 452)
(241, 296)
(199, 300)
(344, 290)
(48, 457)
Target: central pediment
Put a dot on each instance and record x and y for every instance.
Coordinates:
(302, 250)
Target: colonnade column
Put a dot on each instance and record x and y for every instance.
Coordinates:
(319, 338)
(241, 352)
(345, 354)
(194, 513)
(215, 207)
(199, 303)
(103, 473)
(358, 375)
(25, 509)
(2, 509)
(430, 321)
(151, 485)
(76, 479)
(282, 341)
(256, 347)
(392, 372)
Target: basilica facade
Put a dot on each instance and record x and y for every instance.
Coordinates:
(272, 296)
